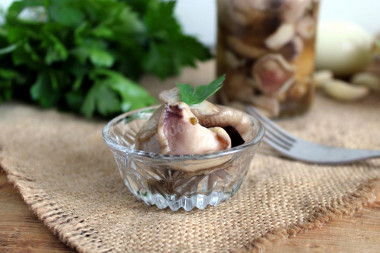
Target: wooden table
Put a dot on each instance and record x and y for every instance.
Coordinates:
(21, 231)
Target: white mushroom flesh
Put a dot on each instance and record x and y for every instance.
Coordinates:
(270, 106)
(243, 49)
(306, 27)
(231, 59)
(261, 5)
(292, 49)
(176, 131)
(210, 115)
(280, 37)
(179, 133)
(273, 74)
(294, 10)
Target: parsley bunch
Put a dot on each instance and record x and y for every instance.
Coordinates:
(87, 55)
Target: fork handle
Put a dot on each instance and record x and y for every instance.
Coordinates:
(358, 154)
(345, 156)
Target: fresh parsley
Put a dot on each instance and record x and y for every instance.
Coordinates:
(377, 47)
(191, 95)
(87, 56)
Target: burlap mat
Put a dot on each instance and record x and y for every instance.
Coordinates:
(67, 175)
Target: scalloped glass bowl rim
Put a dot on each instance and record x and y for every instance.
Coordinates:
(130, 151)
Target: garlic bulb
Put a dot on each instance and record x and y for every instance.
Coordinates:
(343, 48)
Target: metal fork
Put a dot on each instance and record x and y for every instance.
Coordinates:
(306, 151)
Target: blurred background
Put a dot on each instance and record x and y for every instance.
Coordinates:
(203, 25)
(89, 57)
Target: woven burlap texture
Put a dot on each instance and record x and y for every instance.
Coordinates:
(66, 173)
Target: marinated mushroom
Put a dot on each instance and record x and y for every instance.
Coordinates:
(273, 74)
(210, 115)
(231, 58)
(179, 129)
(179, 133)
(243, 49)
(269, 106)
(294, 10)
(240, 88)
(258, 4)
(292, 49)
(266, 48)
(281, 36)
(306, 27)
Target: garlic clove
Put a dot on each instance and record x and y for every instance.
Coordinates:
(367, 79)
(344, 91)
(321, 77)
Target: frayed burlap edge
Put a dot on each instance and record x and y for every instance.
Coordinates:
(69, 228)
(72, 231)
(352, 203)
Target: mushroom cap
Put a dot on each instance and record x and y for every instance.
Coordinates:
(222, 117)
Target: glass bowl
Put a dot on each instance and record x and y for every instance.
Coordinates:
(170, 180)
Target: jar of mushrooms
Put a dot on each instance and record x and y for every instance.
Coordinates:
(266, 48)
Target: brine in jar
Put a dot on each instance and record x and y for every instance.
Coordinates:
(266, 48)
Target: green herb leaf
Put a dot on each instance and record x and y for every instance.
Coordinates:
(86, 56)
(43, 91)
(101, 58)
(193, 96)
(102, 99)
(132, 95)
(6, 89)
(112, 93)
(65, 12)
(377, 47)
(169, 49)
(8, 49)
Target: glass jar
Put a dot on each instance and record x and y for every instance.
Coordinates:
(266, 49)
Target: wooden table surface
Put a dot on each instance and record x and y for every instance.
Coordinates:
(21, 231)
